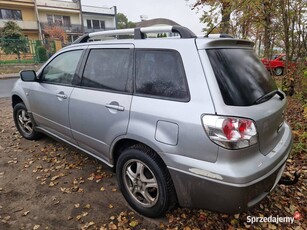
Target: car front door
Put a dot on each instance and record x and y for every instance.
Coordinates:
(99, 109)
(49, 97)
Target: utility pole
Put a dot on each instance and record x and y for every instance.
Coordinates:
(40, 33)
(81, 16)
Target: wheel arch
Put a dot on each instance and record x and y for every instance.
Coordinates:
(119, 145)
(16, 99)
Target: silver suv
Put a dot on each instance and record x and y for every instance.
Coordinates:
(194, 121)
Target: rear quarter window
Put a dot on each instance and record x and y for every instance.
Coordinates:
(241, 76)
(160, 73)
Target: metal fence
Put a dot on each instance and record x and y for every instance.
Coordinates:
(25, 51)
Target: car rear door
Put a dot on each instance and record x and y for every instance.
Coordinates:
(49, 97)
(99, 108)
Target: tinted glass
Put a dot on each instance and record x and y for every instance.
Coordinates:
(160, 73)
(109, 69)
(10, 14)
(96, 24)
(241, 77)
(61, 70)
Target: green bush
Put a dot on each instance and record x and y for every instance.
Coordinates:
(41, 54)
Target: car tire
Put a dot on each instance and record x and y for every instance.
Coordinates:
(24, 122)
(145, 181)
(279, 71)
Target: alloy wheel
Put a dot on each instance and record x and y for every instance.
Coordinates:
(141, 183)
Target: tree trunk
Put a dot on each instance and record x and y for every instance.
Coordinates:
(226, 11)
(267, 27)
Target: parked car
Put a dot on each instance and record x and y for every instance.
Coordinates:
(277, 64)
(181, 120)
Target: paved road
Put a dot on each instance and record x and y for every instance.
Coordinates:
(6, 86)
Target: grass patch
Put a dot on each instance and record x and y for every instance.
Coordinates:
(8, 62)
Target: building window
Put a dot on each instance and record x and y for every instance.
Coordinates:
(59, 20)
(102, 25)
(89, 24)
(95, 24)
(10, 14)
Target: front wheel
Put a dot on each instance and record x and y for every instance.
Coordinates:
(145, 181)
(24, 122)
(279, 71)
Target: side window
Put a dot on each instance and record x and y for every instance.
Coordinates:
(160, 73)
(61, 70)
(109, 69)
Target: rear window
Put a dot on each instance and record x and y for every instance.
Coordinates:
(241, 77)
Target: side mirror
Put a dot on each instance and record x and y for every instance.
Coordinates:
(28, 75)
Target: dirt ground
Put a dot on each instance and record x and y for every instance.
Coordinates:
(47, 185)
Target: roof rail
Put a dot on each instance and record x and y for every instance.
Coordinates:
(219, 36)
(139, 33)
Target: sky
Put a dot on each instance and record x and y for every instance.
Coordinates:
(176, 10)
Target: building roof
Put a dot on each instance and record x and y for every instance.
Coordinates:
(156, 21)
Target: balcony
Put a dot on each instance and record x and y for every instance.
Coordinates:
(25, 25)
(99, 10)
(73, 28)
(58, 4)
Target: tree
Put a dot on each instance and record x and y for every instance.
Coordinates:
(123, 22)
(12, 40)
(221, 8)
(55, 32)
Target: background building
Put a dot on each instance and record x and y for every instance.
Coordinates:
(36, 17)
(23, 13)
(63, 14)
(98, 18)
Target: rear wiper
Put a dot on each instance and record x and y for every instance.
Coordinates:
(270, 95)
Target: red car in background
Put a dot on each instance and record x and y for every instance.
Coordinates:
(277, 64)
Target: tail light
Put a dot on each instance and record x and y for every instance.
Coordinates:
(230, 132)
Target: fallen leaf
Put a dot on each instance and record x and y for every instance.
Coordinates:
(84, 213)
(133, 223)
(37, 226)
(25, 213)
(272, 226)
(102, 189)
(77, 205)
(110, 206)
(87, 225)
(112, 226)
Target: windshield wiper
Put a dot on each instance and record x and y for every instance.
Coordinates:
(270, 95)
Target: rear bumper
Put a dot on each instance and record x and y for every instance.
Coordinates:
(201, 193)
(225, 186)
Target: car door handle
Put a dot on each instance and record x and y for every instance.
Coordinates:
(61, 95)
(116, 107)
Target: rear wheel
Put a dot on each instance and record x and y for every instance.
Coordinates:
(279, 71)
(24, 122)
(145, 181)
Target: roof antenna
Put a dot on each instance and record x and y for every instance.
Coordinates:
(210, 31)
